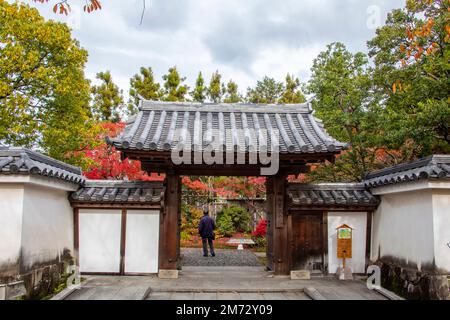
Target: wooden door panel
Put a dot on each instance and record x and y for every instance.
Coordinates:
(307, 242)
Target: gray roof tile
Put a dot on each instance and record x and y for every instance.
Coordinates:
(118, 191)
(160, 126)
(25, 161)
(432, 167)
(330, 194)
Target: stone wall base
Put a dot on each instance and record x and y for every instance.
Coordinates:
(37, 283)
(414, 284)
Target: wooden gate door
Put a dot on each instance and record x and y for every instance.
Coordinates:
(307, 242)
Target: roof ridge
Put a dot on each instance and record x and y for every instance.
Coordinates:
(91, 183)
(339, 185)
(224, 107)
(37, 156)
(413, 164)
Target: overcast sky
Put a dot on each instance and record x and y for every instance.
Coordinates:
(243, 39)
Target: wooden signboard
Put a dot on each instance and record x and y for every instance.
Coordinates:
(344, 242)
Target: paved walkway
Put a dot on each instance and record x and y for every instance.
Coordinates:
(113, 288)
(223, 258)
(220, 283)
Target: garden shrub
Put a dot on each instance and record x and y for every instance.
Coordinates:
(259, 234)
(233, 219)
(225, 226)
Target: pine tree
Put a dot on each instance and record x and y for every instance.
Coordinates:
(143, 84)
(107, 98)
(173, 88)
(216, 88)
(199, 92)
(267, 90)
(292, 93)
(232, 94)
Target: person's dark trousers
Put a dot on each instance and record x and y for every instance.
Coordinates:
(205, 242)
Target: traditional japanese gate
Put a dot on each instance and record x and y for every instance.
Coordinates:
(239, 131)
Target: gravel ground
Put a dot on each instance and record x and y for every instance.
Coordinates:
(223, 258)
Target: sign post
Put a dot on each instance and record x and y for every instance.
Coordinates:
(344, 250)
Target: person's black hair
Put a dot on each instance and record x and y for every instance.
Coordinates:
(205, 211)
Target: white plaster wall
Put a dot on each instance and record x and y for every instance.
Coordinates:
(358, 221)
(441, 224)
(11, 204)
(142, 238)
(99, 237)
(402, 227)
(47, 225)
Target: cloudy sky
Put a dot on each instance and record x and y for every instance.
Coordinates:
(243, 39)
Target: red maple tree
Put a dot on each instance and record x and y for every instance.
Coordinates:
(106, 162)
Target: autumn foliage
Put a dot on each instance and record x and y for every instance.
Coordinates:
(63, 7)
(106, 162)
(227, 187)
(261, 229)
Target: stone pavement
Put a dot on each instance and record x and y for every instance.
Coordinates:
(112, 288)
(220, 283)
(228, 295)
(224, 257)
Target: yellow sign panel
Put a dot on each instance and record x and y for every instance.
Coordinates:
(344, 242)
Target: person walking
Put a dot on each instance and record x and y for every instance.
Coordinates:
(206, 229)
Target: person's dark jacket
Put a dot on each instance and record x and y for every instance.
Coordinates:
(206, 227)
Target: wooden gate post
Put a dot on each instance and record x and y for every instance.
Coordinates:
(278, 258)
(169, 227)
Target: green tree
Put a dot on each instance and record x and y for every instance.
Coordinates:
(174, 90)
(292, 92)
(107, 98)
(232, 93)
(342, 85)
(267, 90)
(412, 70)
(216, 88)
(232, 219)
(44, 96)
(143, 84)
(199, 92)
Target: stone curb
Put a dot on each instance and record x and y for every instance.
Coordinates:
(314, 294)
(65, 293)
(388, 294)
(243, 290)
(147, 293)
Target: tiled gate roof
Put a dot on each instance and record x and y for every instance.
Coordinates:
(160, 126)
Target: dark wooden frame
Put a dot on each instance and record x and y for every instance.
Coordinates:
(278, 253)
(325, 242)
(368, 237)
(169, 228)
